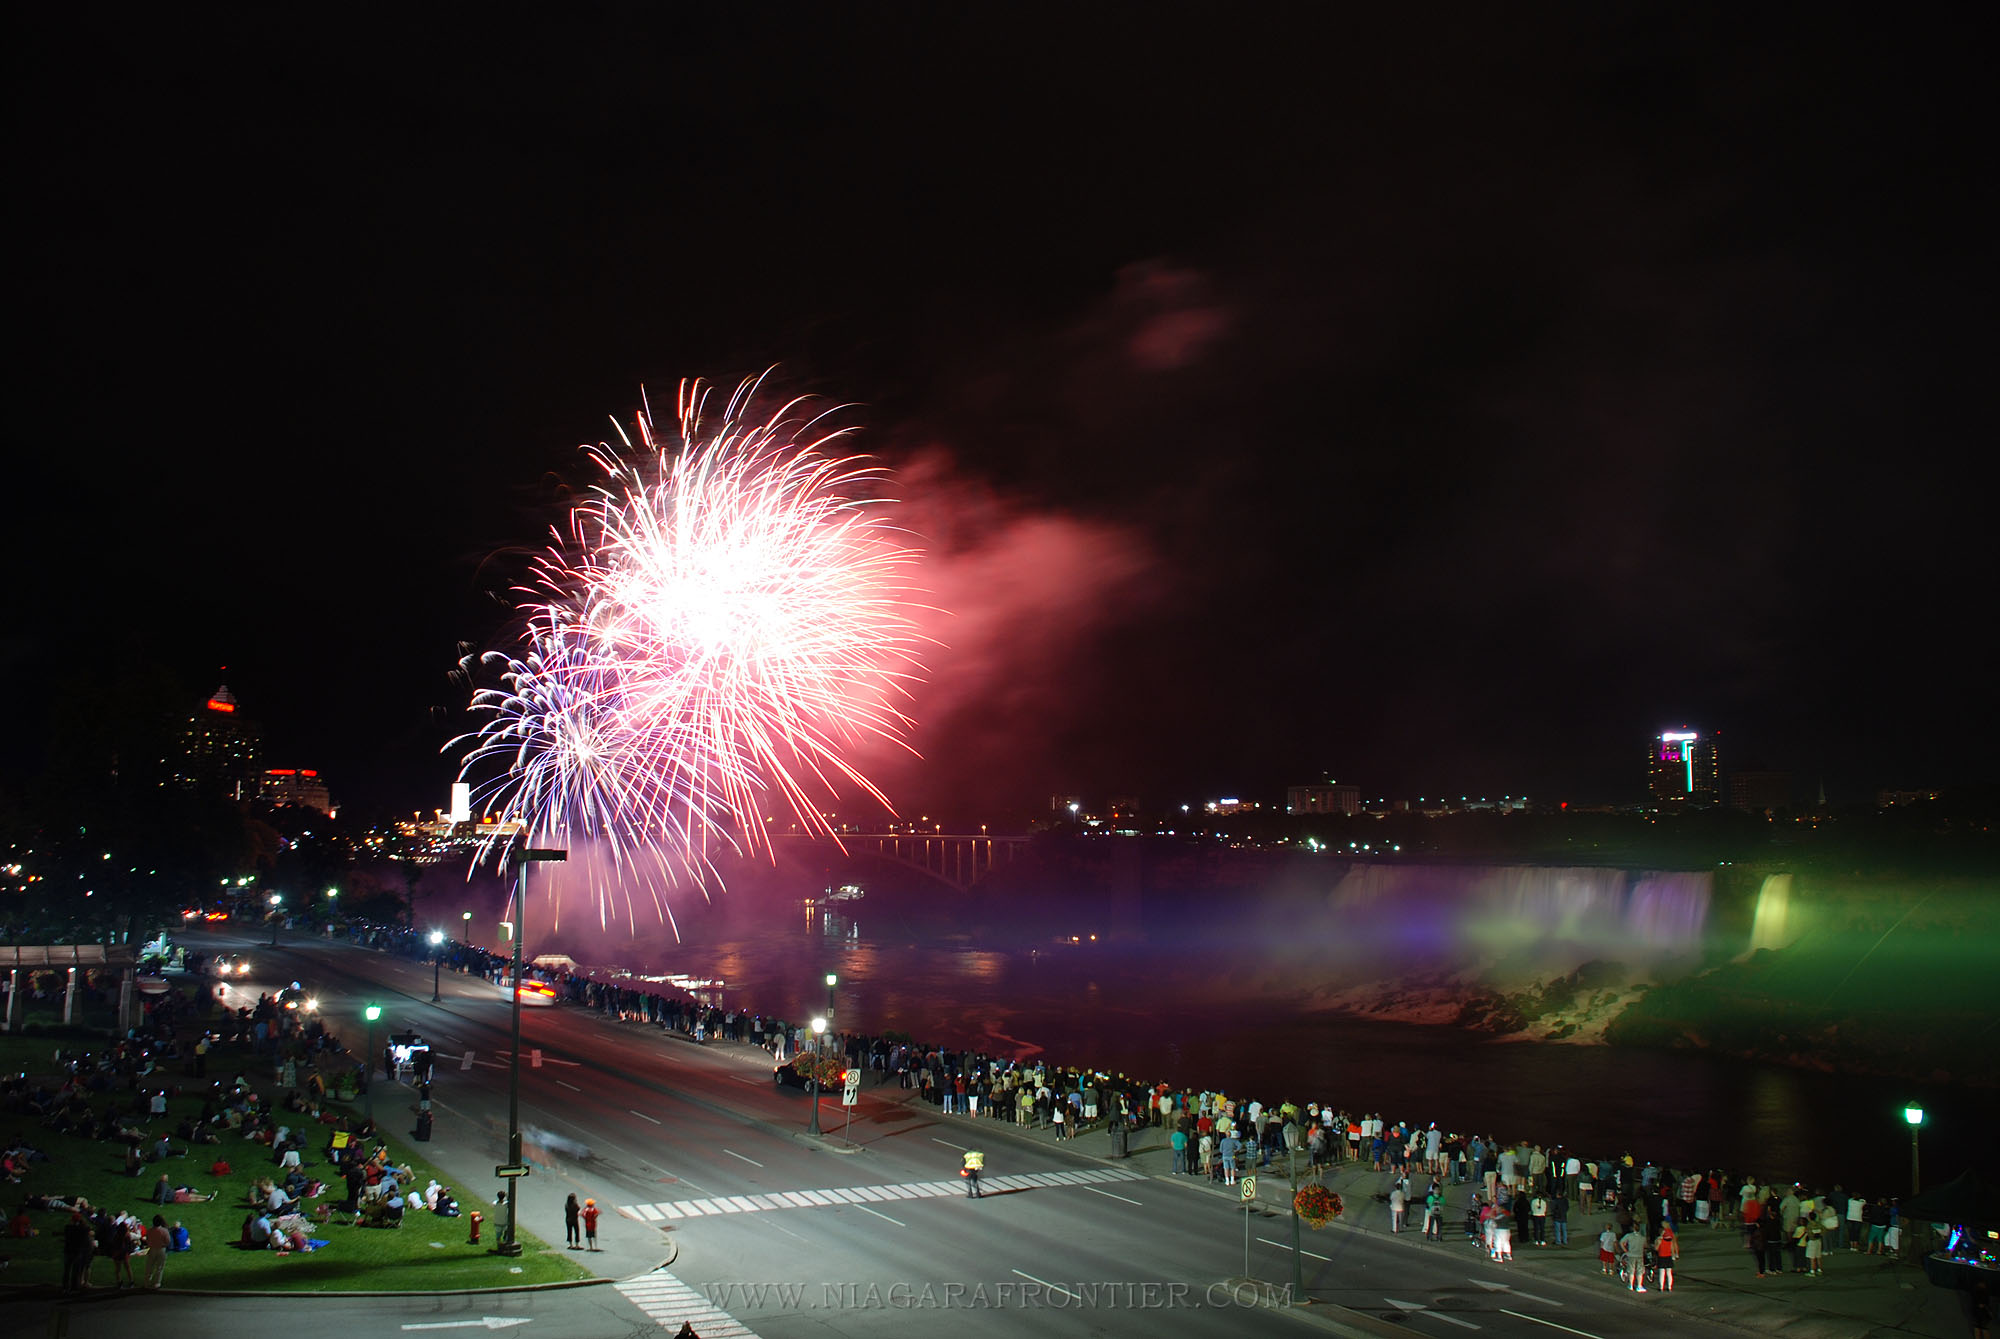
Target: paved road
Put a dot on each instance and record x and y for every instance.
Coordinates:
(765, 1231)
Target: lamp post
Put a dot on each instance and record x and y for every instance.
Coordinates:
(277, 900)
(1914, 1114)
(819, 1030)
(437, 963)
(371, 1013)
(509, 1245)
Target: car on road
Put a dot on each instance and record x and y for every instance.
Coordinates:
(536, 994)
(226, 965)
(296, 999)
(789, 1075)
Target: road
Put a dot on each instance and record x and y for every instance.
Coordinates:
(704, 1163)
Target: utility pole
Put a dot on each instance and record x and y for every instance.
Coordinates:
(509, 1244)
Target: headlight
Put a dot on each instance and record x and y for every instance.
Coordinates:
(312, 1006)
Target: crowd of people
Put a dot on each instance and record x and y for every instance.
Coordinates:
(118, 1095)
(1523, 1194)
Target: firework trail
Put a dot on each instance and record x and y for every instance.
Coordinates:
(724, 619)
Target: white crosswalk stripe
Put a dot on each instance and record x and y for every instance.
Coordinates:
(671, 1304)
(673, 1210)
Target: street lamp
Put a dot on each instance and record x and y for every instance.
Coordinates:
(819, 1030)
(277, 900)
(371, 1013)
(1914, 1114)
(509, 1244)
(437, 961)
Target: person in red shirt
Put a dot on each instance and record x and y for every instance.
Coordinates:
(590, 1224)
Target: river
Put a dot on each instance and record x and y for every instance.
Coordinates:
(1160, 1016)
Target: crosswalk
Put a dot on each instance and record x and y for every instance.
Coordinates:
(672, 1210)
(673, 1304)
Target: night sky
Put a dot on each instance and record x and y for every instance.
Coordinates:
(1442, 404)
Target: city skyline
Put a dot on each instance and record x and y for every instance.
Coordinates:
(1449, 423)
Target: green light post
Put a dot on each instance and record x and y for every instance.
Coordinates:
(371, 1013)
(1914, 1115)
(509, 1244)
(437, 963)
(277, 900)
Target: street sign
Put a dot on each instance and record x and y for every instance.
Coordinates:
(852, 1091)
(505, 1170)
(1249, 1184)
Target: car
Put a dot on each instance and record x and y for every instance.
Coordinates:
(536, 994)
(295, 999)
(788, 1075)
(226, 965)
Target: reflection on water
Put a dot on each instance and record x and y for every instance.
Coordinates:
(1166, 1017)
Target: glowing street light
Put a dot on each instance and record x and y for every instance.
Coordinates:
(1914, 1114)
(437, 962)
(371, 1013)
(277, 900)
(819, 1030)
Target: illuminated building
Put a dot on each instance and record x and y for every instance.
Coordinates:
(300, 786)
(1682, 769)
(218, 749)
(1890, 799)
(1331, 798)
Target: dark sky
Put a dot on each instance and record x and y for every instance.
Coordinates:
(1439, 403)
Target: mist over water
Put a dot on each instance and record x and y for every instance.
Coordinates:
(1232, 996)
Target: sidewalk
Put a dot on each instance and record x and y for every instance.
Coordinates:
(1860, 1297)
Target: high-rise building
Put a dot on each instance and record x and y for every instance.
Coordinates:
(301, 786)
(1331, 798)
(219, 748)
(1682, 769)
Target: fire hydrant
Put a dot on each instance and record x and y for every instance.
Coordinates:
(476, 1220)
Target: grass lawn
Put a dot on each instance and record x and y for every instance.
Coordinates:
(426, 1254)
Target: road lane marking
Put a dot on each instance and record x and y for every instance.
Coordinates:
(860, 1195)
(572, 1087)
(740, 1158)
(1302, 1251)
(1108, 1195)
(1522, 1315)
(1450, 1320)
(883, 1216)
(1505, 1288)
(1050, 1286)
(948, 1144)
(490, 1322)
(465, 1061)
(643, 1116)
(671, 1304)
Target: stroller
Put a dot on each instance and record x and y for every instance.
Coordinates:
(1472, 1232)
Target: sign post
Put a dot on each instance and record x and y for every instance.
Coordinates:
(850, 1094)
(1249, 1184)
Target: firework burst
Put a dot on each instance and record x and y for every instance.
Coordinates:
(724, 620)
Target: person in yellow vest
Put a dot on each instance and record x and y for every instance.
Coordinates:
(975, 1163)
